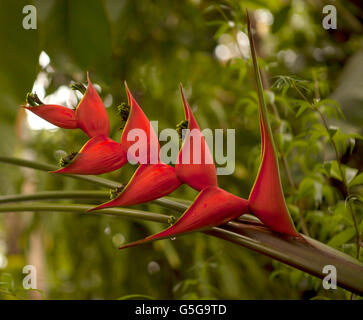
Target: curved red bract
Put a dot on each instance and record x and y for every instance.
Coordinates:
(212, 207)
(138, 120)
(91, 114)
(99, 155)
(195, 166)
(59, 116)
(149, 182)
(266, 200)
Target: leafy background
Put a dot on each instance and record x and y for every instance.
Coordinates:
(155, 45)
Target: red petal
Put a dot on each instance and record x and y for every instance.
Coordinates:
(91, 114)
(212, 207)
(99, 155)
(149, 182)
(266, 199)
(138, 120)
(195, 169)
(59, 116)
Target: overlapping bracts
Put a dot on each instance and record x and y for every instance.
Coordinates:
(153, 179)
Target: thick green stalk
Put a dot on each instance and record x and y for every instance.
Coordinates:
(48, 167)
(82, 208)
(167, 202)
(53, 195)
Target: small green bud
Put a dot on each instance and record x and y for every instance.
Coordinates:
(171, 220)
(123, 111)
(79, 86)
(33, 100)
(180, 126)
(65, 161)
(115, 192)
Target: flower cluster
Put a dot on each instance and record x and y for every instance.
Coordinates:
(154, 179)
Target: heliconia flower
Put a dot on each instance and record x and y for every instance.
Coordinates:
(101, 154)
(89, 116)
(195, 165)
(212, 207)
(154, 181)
(149, 182)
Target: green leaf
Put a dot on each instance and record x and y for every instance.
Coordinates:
(303, 106)
(348, 172)
(19, 54)
(342, 237)
(90, 36)
(330, 103)
(357, 180)
(281, 18)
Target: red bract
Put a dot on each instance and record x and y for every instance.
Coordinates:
(99, 155)
(195, 165)
(149, 182)
(266, 200)
(59, 116)
(212, 207)
(137, 123)
(90, 114)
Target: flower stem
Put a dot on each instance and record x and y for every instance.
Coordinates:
(179, 205)
(48, 167)
(81, 208)
(52, 195)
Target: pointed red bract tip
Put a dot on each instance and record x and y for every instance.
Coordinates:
(266, 200)
(138, 135)
(149, 182)
(99, 155)
(212, 207)
(91, 114)
(195, 165)
(57, 115)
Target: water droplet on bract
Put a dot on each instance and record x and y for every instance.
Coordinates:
(172, 238)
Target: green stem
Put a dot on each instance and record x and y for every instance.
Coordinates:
(48, 167)
(82, 208)
(167, 202)
(53, 195)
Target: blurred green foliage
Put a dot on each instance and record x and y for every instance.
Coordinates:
(154, 45)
